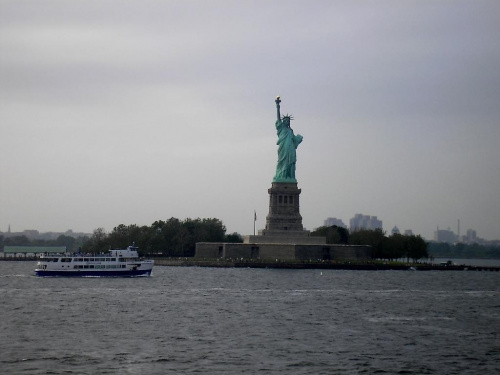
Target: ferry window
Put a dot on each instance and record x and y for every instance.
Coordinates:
(85, 259)
(123, 266)
(79, 260)
(286, 199)
(85, 266)
(65, 259)
(280, 199)
(75, 266)
(291, 199)
(91, 266)
(113, 259)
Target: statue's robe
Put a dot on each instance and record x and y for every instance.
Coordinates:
(287, 157)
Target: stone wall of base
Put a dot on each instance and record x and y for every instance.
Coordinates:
(211, 250)
(291, 238)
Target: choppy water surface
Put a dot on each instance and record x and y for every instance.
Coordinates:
(228, 321)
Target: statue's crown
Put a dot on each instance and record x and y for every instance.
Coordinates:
(290, 117)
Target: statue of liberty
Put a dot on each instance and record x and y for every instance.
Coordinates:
(287, 142)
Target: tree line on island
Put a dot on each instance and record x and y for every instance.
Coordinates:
(178, 238)
(171, 238)
(396, 246)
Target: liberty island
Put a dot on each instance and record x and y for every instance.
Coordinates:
(284, 237)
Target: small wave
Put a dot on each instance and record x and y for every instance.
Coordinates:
(18, 275)
(403, 319)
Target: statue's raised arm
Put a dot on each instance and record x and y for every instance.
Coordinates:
(278, 101)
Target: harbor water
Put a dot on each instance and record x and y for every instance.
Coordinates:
(249, 321)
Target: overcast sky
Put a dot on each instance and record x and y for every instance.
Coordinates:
(128, 112)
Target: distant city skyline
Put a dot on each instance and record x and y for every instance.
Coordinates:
(370, 221)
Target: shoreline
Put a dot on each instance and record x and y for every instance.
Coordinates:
(361, 266)
(282, 264)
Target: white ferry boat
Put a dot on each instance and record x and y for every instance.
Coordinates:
(116, 263)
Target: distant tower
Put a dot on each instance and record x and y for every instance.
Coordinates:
(8, 231)
(458, 231)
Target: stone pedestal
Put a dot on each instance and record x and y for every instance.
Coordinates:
(284, 222)
(284, 208)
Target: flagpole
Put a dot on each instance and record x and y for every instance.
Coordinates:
(254, 220)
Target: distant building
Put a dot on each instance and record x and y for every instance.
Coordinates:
(408, 232)
(331, 221)
(471, 235)
(445, 235)
(395, 230)
(360, 221)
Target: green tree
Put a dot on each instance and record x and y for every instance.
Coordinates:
(416, 247)
(17, 241)
(234, 238)
(171, 238)
(174, 234)
(97, 243)
(198, 230)
(68, 241)
(333, 234)
(123, 236)
(393, 247)
(373, 238)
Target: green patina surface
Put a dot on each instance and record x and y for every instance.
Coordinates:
(287, 146)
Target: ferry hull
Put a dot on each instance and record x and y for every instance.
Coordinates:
(89, 273)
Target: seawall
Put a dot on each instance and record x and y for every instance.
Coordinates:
(364, 266)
